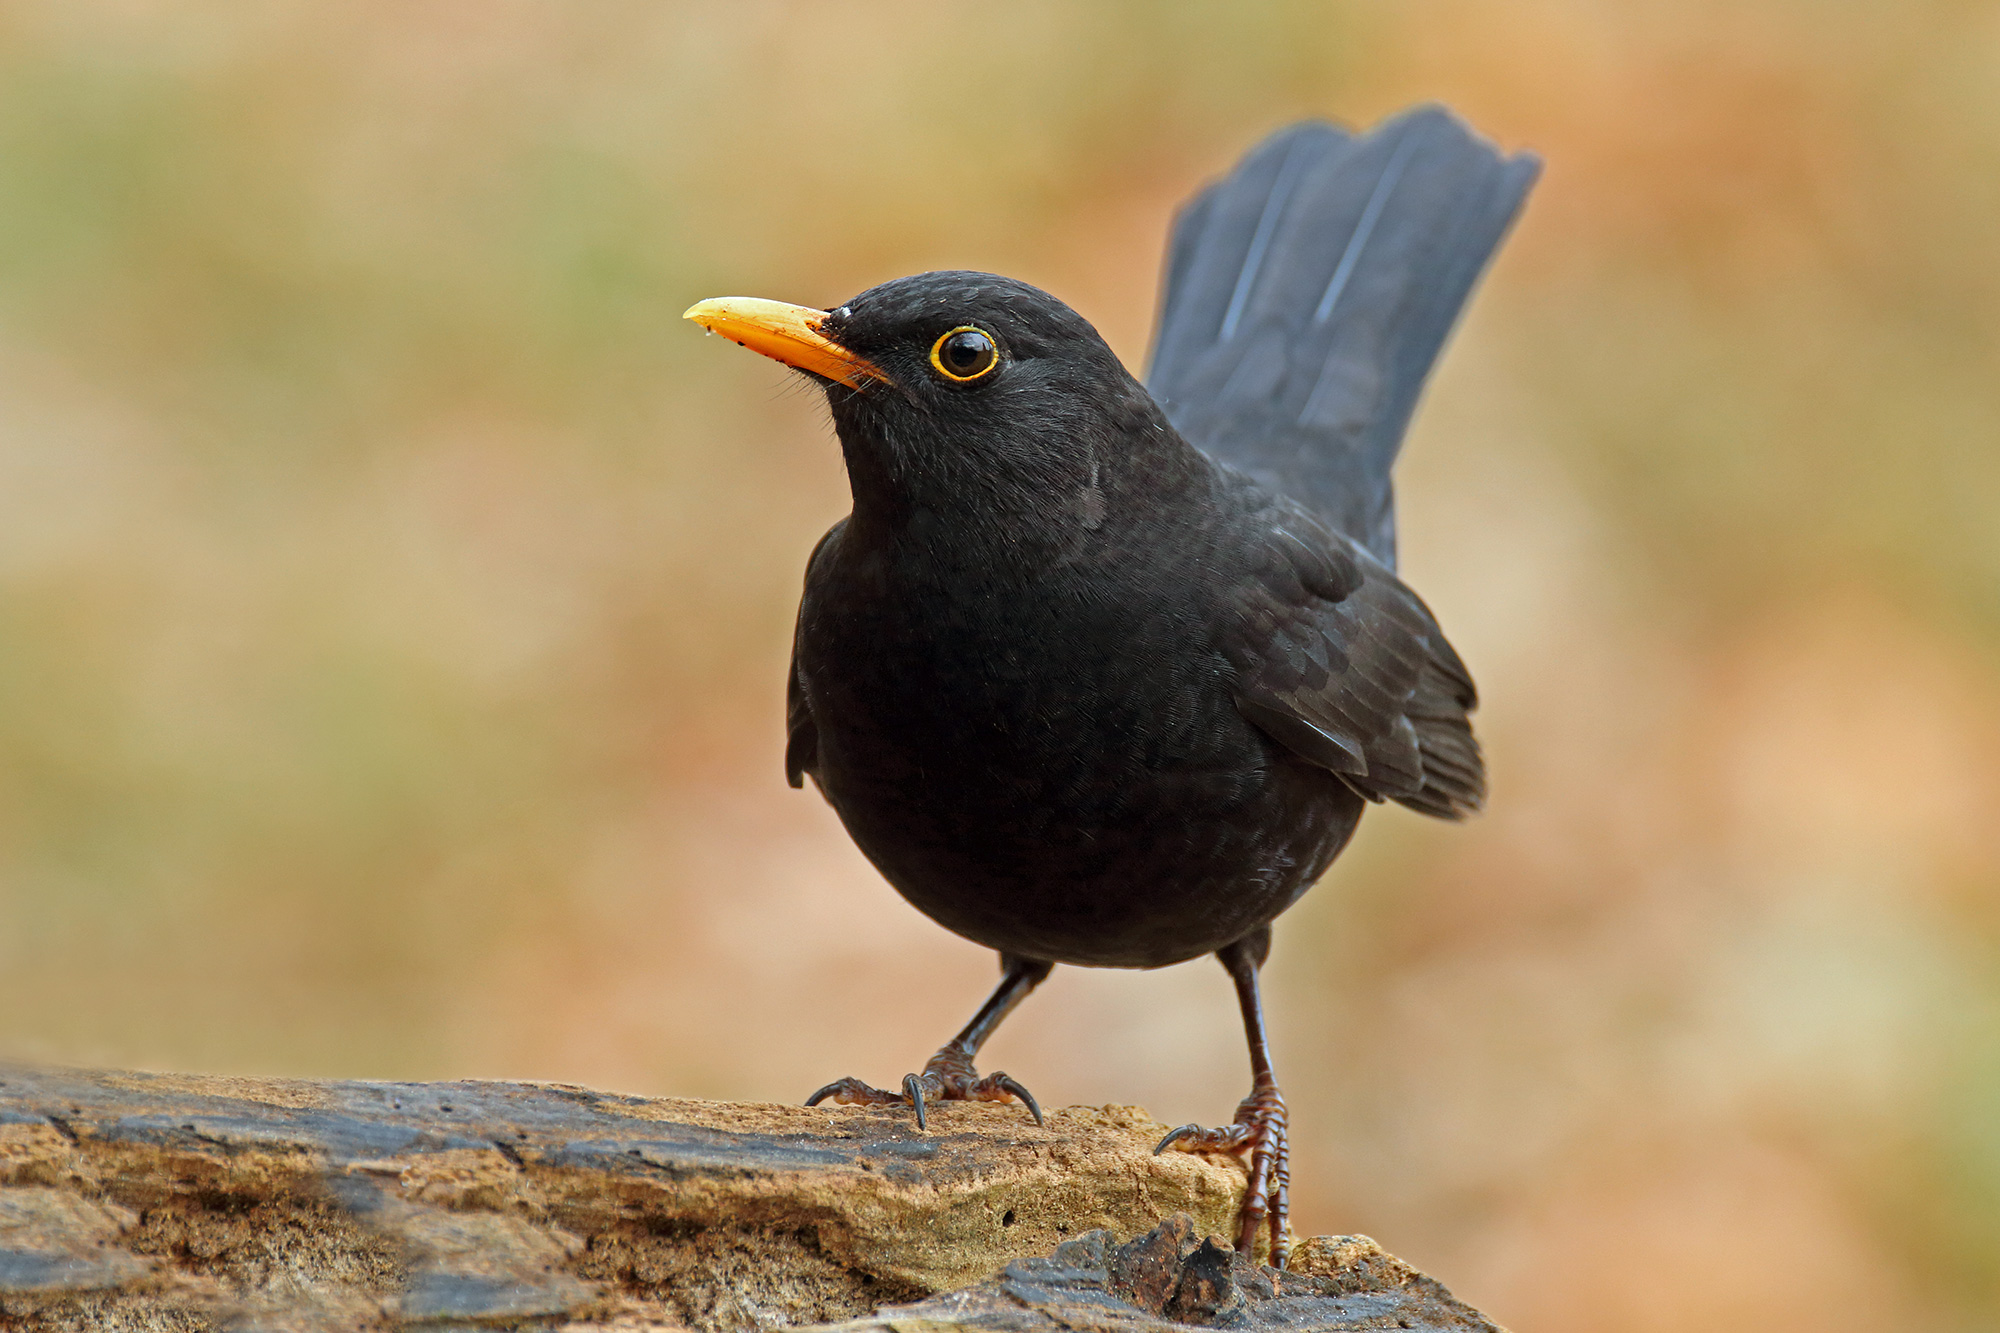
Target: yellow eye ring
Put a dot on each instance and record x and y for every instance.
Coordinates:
(965, 354)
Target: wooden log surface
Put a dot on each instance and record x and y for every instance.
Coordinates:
(147, 1201)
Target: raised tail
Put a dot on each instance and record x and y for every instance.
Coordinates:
(1308, 293)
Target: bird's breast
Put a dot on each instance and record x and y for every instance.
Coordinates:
(1054, 767)
(1062, 694)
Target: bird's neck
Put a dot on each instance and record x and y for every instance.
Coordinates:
(1045, 511)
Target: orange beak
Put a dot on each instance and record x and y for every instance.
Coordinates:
(787, 333)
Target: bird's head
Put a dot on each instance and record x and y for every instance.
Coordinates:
(954, 392)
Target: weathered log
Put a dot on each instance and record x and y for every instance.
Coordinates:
(145, 1201)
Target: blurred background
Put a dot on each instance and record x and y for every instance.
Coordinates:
(395, 594)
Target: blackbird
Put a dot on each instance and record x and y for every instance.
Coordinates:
(1105, 674)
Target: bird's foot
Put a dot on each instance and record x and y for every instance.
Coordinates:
(948, 1077)
(1259, 1130)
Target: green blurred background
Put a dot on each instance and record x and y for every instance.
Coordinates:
(395, 593)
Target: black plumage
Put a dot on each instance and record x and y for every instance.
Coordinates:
(1105, 676)
(1308, 293)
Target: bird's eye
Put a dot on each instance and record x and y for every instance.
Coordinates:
(965, 354)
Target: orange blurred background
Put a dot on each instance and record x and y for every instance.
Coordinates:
(395, 593)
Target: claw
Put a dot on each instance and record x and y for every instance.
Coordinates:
(1006, 1083)
(853, 1092)
(948, 1077)
(1259, 1130)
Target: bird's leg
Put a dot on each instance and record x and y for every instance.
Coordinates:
(1259, 1127)
(949, 1075)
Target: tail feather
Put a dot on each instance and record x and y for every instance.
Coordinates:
(1309, 292)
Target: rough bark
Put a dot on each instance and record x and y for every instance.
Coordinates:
(139, 1201)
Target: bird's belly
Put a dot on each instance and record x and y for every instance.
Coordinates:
(1082, 821)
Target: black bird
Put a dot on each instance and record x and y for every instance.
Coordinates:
(1102, 675)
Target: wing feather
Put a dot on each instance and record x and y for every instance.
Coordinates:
(1355, 675)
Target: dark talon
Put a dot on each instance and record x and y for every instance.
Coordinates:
(949, 1075)
(1007, 1083)
(853, 1092)
(1175, 1136)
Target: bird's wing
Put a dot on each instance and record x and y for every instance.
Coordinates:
(1308, 293)
(1338, 661)
(801, 732)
